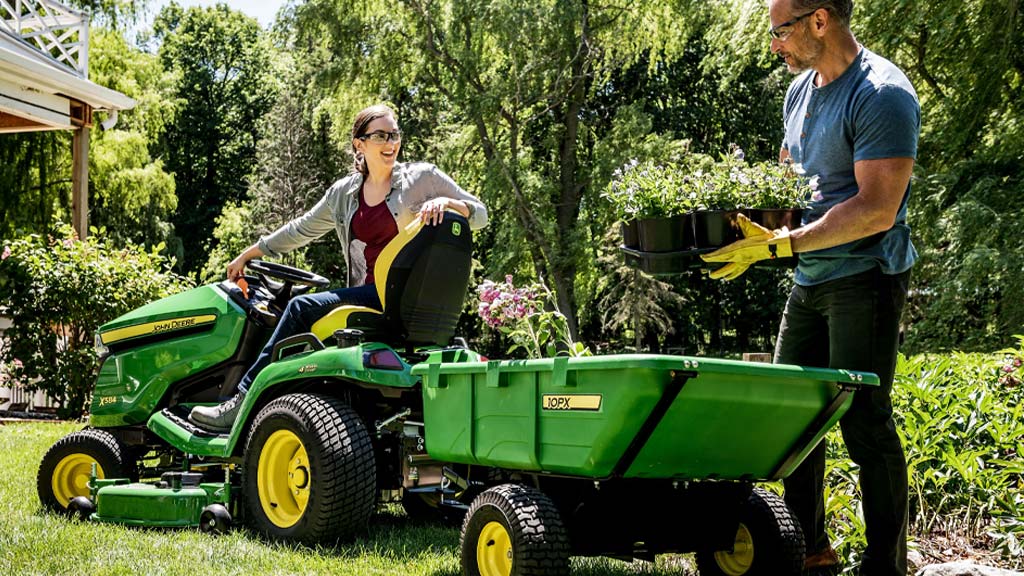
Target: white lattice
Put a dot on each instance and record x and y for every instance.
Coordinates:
(56, 30)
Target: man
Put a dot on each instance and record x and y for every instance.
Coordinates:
(851, 127)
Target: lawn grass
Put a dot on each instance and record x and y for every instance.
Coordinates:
(33, 542)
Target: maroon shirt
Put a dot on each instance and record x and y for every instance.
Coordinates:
(375, 226)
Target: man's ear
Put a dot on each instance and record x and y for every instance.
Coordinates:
(821, 20)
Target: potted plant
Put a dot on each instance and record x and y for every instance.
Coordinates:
(779, 195)
(648, 199)
(769, 193)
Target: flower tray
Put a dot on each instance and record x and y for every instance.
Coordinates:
(666, 263)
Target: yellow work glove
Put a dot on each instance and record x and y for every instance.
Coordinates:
(758, 243)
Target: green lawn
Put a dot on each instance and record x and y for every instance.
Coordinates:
(33, 542)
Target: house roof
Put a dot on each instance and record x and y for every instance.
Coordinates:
(39, 93)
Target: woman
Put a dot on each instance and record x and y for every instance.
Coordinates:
(366, 209)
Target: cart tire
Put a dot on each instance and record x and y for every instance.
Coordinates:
(65, 469)
(512, 530)
(309, 472)
(215, 519)
(769, 542)
(81, 508)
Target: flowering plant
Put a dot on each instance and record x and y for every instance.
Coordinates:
(1010, 369)
(522, 315)
(699, 182)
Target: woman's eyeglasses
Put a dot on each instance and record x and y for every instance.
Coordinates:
(783, 31)
(382, 137)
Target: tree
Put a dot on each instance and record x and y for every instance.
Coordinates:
(223, 87)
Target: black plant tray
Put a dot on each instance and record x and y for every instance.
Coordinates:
(664, 263)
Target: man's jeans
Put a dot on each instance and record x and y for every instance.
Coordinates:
(853, 323)
(300, 315)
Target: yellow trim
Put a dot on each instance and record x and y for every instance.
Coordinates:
(150, 328)
(71, 477)
(494, 550)
(337, 319)
(741, 558)
(571, 401)
(283, 477)
(389, 253)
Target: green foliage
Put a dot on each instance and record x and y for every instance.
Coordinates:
(962, 421)
(223, 85)
(969, 231)
(58, 290)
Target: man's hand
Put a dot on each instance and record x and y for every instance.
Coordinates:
(758, 243)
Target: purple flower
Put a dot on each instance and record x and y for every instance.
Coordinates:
(6, 254)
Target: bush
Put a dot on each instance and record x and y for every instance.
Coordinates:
(58, 290)
(961, 418)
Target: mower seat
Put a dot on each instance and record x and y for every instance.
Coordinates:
(422, 276)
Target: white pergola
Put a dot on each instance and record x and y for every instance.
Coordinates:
(44, 83)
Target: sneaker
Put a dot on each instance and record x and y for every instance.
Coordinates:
(220, 417)
(824, 562)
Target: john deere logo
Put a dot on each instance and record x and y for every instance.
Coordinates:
(456, 228)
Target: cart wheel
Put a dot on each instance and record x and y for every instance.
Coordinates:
(80, 508)
(65, 470)
(768, 542)
(514, 530)
(215, 519)
(309, 471)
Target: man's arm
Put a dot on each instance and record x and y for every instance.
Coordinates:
(881, 183)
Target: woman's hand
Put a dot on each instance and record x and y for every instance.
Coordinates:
(432, 211)
(236, 268)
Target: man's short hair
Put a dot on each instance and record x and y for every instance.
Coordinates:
(841, 10)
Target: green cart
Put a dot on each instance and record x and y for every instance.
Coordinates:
(630, 456)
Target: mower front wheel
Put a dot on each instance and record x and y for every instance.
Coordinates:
(769, 542)
(65, 470)
(513, 530)
(309, 472)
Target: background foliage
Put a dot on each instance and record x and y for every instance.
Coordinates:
(58, 290)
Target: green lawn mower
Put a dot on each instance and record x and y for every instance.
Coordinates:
(626, 456)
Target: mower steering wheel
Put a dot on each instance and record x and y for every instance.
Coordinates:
(288, 274)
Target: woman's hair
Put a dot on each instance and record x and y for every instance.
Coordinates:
(363, 119)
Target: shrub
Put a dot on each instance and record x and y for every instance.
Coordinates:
(58, 290)
(961, 417)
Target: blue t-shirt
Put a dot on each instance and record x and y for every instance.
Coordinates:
(871, 111)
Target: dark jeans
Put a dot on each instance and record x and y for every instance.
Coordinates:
(300, 315)
(853, 323)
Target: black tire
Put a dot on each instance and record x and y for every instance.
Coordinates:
(769, 542)
(335, 484)
(529, 529)
(81, 508)
(65, 468)
(215, 519)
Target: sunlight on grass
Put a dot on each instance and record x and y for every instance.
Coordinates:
(33, 542)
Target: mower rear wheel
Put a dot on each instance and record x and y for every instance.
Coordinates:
(309, 472)
(513, 530)
(65, 470)
(769, 542)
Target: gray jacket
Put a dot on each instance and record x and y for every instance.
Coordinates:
(412, 184)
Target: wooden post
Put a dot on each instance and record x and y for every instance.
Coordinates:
(80, 181)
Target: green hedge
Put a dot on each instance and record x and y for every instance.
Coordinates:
(58, 290)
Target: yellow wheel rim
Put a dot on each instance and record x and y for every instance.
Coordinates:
(494, 551)
(739, 561)
(71, 477)
(283, 478)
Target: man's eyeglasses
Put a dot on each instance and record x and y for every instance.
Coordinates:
(382, 137)
(781, 31)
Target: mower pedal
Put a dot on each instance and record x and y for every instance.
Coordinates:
(185, 424)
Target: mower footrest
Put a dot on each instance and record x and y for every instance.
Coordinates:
(192, 428)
